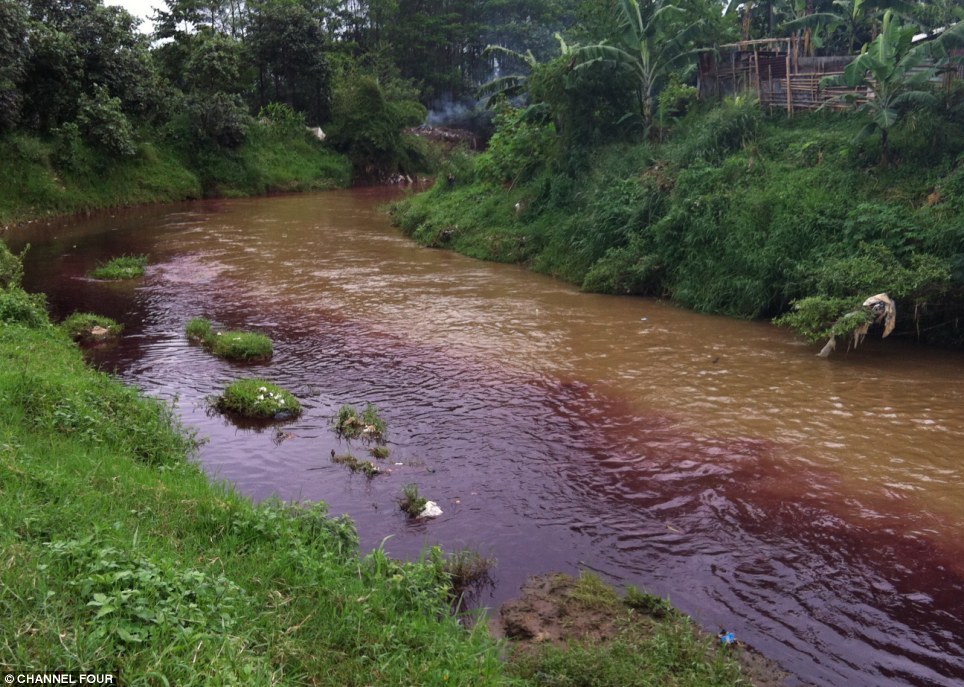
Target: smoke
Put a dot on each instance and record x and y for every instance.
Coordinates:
(465, 113)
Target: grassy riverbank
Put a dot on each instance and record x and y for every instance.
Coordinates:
(119, 555)
(736, 213)
(51, 177)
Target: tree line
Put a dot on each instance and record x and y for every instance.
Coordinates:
(77, 70)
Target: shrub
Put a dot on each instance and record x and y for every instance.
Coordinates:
(519, 147)
(724, 130)
(258, 398)
(11, 267)
(19, 307)
(123, 267)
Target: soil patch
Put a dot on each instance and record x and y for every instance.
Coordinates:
(557, 609)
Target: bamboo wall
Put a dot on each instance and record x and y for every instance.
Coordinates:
(774, 71)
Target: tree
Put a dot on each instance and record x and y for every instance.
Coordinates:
(290, 45)
(14, 53)
(77, 46)
(656, 38)
(853, 19)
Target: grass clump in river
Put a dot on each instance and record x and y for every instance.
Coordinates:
(412, 502)
(91, 328)
(350, 424)
(232, 345)
(258, 399)
(366, 467)
(122, 267)
(379, 452)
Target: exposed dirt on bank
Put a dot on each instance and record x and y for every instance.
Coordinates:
(558, 609)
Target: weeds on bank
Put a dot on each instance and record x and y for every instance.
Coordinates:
(243, 346)
(123, 267)
(258, 399)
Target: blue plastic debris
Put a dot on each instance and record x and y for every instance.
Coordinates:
(727, 638)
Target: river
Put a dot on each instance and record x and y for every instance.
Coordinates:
(813, 507)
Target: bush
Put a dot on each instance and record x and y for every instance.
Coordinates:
(724, 130)
(519, 147)
(11, 267)
(19, 307)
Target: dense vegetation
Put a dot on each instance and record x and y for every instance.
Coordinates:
(720, 206)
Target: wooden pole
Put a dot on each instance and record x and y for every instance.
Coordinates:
(756, 65)
(789, 91)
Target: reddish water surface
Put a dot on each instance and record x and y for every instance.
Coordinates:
(813, 507)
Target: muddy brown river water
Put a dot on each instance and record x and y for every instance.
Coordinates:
(813, 507)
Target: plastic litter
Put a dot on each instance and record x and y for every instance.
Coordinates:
(431, 510)
(727, 638)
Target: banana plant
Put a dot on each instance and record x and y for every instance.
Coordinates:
(656, 38)
(896, 74)
(854, 16)
(512, 85)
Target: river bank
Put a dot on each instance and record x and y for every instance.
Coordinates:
(41, 181)
(735, 213)
(123, 557)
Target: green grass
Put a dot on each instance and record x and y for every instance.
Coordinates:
(119, 555)
(258, 398)
(121, 267)
(86, 327)
(232, 345)
(380, 452)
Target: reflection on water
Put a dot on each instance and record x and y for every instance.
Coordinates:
(814, 507)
